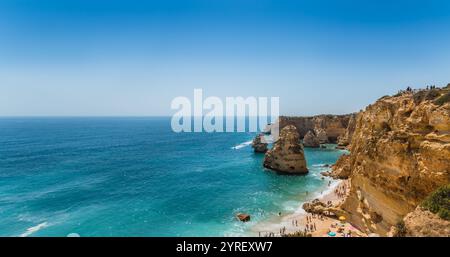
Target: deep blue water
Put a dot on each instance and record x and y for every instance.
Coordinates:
(135, 177)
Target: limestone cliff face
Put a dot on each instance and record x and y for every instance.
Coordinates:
(341, 169)
(322, 135)
(310, 140)
(327, 128)
(400, 153)
(287, 153)
(422, 223)
(345, 139)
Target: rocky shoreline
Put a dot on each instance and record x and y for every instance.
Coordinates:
(303, 223)
(399, 154)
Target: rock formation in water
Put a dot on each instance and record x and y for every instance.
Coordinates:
(310, 140)
(321, 135)
(243, 217)
(268, 129)
(399, 154)
(287, 154)
(327, 128)
(259, 144)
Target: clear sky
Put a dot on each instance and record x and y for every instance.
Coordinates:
(92, 57)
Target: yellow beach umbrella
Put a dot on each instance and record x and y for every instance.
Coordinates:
(342, 218)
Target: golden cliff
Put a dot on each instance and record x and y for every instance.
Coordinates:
(345, 139)
(399, 154)
(326, 128)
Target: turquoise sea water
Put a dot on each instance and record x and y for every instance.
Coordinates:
(135, 177)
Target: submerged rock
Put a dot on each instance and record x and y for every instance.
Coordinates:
(287, 154)
(325, 173)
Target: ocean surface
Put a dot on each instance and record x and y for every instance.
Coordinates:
(135, 177)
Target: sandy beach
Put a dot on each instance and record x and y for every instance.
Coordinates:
(316, 225)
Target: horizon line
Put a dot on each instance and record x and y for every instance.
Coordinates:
(154, 116)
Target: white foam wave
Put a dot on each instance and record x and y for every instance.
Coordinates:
(333, 185)
(34, 229)
(322, 165)
(241, 145)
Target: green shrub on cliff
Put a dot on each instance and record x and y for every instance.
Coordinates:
(425, 95)
(400, 229)
(439, 202)
(445, 98)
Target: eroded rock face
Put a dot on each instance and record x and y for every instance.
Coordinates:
(422, 223)
(321, 135)
(399, 154)
(287, 154)
(341, 170)
(327, 128)
(345, 139)
(310, 140)
(259, 144)
(318, 207)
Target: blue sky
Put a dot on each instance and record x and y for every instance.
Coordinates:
(78, 58)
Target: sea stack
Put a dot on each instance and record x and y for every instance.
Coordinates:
(287, 154)
(321, 135)
(259, 144)
(310, 140)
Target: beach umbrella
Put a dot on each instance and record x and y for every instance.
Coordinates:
(331, 234)
(342, 218)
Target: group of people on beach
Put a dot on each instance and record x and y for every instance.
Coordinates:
(310, 224)
(341, 190)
